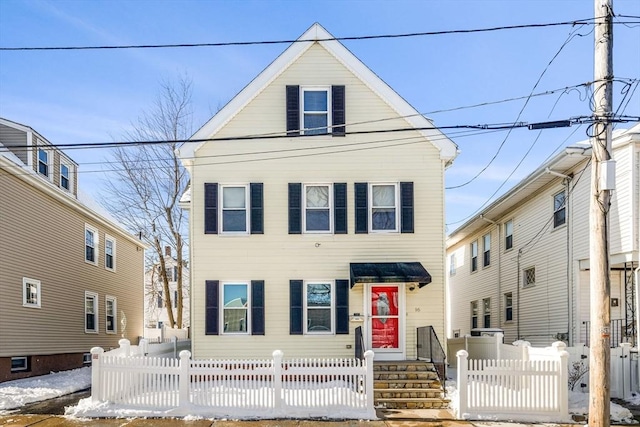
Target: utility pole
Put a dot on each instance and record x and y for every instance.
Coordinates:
(601, 186)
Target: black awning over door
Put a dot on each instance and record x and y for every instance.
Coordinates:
(388, 272)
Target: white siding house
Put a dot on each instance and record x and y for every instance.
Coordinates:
(535, 285)
(300, 236)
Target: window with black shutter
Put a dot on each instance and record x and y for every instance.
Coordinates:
(211, 208)
(342, 306)
(295, 208)
(211, 307)
(257, 307)
(295, 307)
(315, 110)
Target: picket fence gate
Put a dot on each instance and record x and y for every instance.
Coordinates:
(521, 389)
(268, 388)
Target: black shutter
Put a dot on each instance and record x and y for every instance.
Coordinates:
(257, 215)
(362, 209)
(295, 208)
(211, 308)
(406, 207)
(295, 307)
(293, 110)
(210, 208)
(340, 208)
(337, 110)
(342, 306)
(257, 307)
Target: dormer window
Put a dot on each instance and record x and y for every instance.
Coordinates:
(64, 176)
(43, 162)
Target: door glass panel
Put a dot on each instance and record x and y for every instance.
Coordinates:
(384, 322)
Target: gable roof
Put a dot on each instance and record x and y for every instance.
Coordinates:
(317, 34)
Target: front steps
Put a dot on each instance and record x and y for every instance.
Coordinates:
(409, 384)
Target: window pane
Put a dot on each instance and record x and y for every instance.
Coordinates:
(233, 197)
(313, 121)
(88, 238)
(384, 195)
(317, 220)
(319, 295)
(558, 201)
(317, 197)
(43, 156)
(109, 247)
(319, 320)
(235, 295)
(315, 100)
(234, 221)
(383, 219)
(235, 320)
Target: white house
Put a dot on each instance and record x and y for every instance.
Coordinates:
(308, 218)
(522, 264)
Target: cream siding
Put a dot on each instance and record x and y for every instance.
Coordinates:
(277, 257)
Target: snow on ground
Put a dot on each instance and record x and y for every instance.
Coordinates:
(16, 393)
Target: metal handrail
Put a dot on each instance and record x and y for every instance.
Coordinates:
(429, 347)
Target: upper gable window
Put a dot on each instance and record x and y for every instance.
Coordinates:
(315, 117)
(315, 110)
(43, 162)
(317, 205)
(384, 207)
(559, 209)
(65, 178)
(235, 199)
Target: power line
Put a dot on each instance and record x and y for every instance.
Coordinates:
(589, 21)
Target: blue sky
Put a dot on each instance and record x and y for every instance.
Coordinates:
(93, 96)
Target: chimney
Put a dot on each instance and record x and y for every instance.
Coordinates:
(167, 250)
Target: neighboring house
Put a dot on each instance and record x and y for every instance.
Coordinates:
(70, 278)
(522, 264)
(156, 315)
(298, 238)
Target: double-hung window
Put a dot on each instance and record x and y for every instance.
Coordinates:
(91, 244)
(474, 256)
(317, 205)
(43, 162)
(234, 202)
(110, 313)
(65, 180)
(91, 312)
(474, 314)
(486, 247)
(559, 209)
(452, 265)
(318, 309)
(314, 106)
(384, 207)
(486, 312)
(109, 253)
(235, 310)
(30, 293)
(159, 300)
(508, 306)
(508, 235)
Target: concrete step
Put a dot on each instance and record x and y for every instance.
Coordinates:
(412, 403)
(407, 393)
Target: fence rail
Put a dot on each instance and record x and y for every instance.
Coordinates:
(533, 390)
(332, 388)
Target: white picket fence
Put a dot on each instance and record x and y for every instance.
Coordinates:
(269, 388)
(515, 386)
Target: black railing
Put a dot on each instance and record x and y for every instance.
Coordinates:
(359, 343)
(618, 332)
(429, 347)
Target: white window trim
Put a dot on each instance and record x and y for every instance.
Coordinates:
(508, 306)
(471, 247)
(69, 168)
(96, 244)
(49, 152)
(452, 265)
(475, 315)
(115, 314)
(564, 207)
(111, 239)
(486, 248)
(26, 364)
(247, 208)
(304, 208)
(397, 206)
(96, 314)
(507, 235)
(247, 283)
(327, 89)
(333, 306)
(25, 281)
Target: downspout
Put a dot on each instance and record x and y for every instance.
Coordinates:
(518, 296)
(567, 181)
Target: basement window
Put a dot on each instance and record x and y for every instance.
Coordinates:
(19, 364)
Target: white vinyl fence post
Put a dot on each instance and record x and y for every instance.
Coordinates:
(368, 357)
(174, 340)
(183, 379)
(625, 369)
(125, 347)
(462, 382)
(499, 337)
(143, 347)
(96, 374)
(277, 381)
(563, 380)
